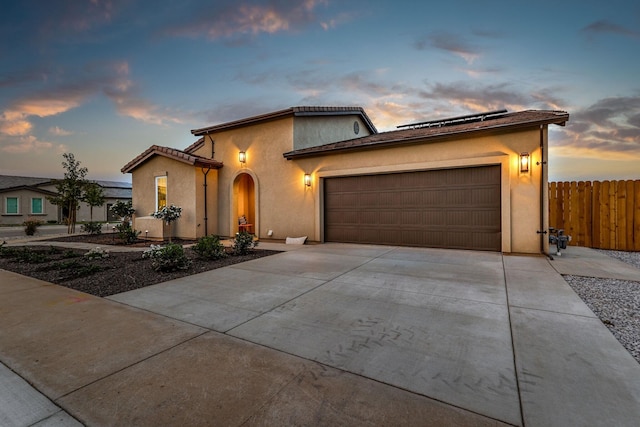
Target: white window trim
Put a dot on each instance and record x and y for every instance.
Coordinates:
(31, 206)
(6, 205)
(156, 188)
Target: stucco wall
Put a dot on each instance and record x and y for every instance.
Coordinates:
(181, 191)
(311, 131)
(50, 211)
(283, 204)
(276, 181)
(286, 206)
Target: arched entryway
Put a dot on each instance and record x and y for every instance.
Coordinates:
(244, 202)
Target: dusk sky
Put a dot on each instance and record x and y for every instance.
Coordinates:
(106, 79)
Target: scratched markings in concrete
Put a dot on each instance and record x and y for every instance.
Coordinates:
(457, 351)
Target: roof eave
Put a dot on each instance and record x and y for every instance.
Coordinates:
(33, 188)
(560, 121)
(154, 151)
(293, 111)
(242, 122)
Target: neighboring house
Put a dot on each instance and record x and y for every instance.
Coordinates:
(24, 197)
(471, 182)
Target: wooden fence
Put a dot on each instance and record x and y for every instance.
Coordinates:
(603, 215)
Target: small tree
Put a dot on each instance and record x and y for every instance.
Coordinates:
(168, 214)
(123, 210)
(70, 189)
(93, 196)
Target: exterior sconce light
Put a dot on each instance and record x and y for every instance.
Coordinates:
(307, 180)
(242, 157)
(524, 162)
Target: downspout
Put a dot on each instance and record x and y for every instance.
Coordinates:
(543, 231)
(206, 232)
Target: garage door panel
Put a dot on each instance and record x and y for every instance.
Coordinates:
(455, 208)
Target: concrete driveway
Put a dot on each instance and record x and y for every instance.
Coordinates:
(439, 323)
(345, 335)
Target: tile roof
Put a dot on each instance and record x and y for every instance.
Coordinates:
(293, 111)
(502, 122)
(193, 147)
(172, 153)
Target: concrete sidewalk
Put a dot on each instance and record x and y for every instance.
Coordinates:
(323, 335)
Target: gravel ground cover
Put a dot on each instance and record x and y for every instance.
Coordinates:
(615, 302)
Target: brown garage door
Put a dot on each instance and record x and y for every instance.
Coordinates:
(449, 208)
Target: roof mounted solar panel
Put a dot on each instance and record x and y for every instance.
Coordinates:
(477, 117)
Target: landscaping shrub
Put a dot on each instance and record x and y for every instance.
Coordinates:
(127, 234)
(6, 251)
(31, 226)
(167, 258)
(29, 256)
(97, 253)
(75, 268)
(243, 243)
(92, 228)
(69, 253)
(210, 247)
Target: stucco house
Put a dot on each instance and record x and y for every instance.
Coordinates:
(24, 197)
(471, 182)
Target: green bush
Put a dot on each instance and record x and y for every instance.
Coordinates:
(77, 269)
(6, 251)
(127, 234)
(167, 258)
(243, 243)
(31, 226)
(92, 228)
(69, 253)
(210, 247)
(29, 256)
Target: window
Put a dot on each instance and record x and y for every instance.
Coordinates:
(37, 205)
(11, 205)
(161, 192)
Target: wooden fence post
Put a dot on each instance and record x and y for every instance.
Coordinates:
(636, 216)
(595, 208)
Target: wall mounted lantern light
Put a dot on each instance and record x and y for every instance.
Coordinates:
(307, 180)
(242, 157)
(524, 162)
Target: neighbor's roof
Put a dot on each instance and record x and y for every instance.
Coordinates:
(171, 153)
(432, 133)
(114, 189)
(10, 181)
(33, 188)
(293, 111)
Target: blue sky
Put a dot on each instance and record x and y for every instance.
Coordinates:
(107, 79)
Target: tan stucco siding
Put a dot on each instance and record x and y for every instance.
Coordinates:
(273, 176)
(270, 190)
(520, 192)
(319, 130)
(285, 205)
(181, 180)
